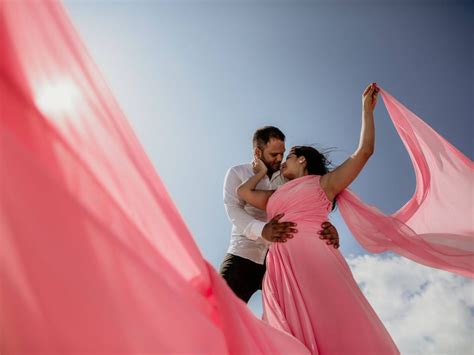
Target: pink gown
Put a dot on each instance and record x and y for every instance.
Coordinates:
(309, 290)
(96, 259)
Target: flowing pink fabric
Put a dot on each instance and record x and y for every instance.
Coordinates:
(309, 290)
(94, 256)
(436, 226)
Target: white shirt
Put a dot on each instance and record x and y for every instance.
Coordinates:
(247, 221)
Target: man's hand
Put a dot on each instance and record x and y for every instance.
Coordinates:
(329, 232)
(279, 232)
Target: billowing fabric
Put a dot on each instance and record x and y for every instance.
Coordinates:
(94, 256)
(436, 226)
(308, 289)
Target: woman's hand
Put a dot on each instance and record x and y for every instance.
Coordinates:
(369, 97)
(259, 166)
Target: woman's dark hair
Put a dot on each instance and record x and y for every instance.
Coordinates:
(316, 163)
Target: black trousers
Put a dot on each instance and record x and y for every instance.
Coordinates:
(243, 276)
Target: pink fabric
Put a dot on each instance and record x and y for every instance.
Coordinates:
(436, 226)
(309, 290)
(94, 256)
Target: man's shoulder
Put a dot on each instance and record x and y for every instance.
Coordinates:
(237, 174)
(241, 168)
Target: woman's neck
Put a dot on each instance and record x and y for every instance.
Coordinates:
(301, 173)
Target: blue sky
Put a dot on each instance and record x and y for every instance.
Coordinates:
(196, 78)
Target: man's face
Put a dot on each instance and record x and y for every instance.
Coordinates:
(272, 154)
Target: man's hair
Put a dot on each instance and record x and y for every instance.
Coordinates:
(263, 135)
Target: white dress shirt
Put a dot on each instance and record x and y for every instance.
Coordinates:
(247, 221)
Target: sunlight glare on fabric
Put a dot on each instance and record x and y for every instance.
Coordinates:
(58, 97)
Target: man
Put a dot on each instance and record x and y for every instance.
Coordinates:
(244, 265)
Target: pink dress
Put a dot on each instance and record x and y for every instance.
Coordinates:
(95, 258)
(309, 290)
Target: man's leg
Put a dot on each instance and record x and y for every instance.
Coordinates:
(243, 276)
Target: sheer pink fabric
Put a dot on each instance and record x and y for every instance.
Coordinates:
(436, 226)
(94, 256)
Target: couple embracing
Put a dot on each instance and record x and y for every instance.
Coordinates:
(283, 244)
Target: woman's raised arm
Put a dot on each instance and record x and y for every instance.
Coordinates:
(341, 177)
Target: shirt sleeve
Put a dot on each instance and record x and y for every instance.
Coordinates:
(244, 223)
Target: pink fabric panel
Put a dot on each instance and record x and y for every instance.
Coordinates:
(436, 226)
(94, 256)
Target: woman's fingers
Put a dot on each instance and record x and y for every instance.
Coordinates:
(370, 89)
(367, 89)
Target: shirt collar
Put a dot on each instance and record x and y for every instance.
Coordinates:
(276, 175)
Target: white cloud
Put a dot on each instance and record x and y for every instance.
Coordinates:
(427, 311)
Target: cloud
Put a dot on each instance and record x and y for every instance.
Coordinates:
(427, 311)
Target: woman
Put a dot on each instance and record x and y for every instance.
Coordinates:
(326, 310)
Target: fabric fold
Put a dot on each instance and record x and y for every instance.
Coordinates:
(94, 255)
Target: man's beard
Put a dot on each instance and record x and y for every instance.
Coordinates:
(273, 168)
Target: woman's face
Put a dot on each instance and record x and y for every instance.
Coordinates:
(290, 168)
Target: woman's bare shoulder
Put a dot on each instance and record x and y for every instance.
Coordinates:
(323, 180)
